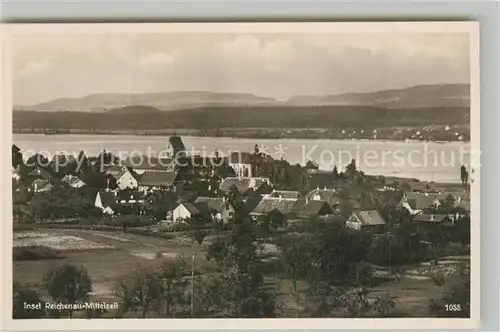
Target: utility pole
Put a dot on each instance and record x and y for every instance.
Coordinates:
(192, 286)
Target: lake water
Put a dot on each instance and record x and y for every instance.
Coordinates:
(429, 161)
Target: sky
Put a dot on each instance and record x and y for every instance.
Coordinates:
(50, 66)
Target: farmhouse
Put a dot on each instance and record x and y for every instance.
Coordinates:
(310, 208)
(73, 181)
(362, 219)
(415, 202)
(279, 200)
(125, 202)
(154, 180)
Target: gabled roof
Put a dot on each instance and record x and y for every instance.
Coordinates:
(311, 208)
(191, 208)
(40, 172)
(328, 195)
(72, 180)
(420, 201)
(285, 194)
(114, 170)
(369, 218)
(108, 198)
(437, 218)
(157, 179)
(42, 185)
(267, 205)
(242, 184)
(148, 163)
(240, 158)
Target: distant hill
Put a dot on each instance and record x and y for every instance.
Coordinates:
(421, 96)
(135, 109)
(244, 117)
(165, 101)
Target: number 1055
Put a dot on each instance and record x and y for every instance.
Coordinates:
(452, 307)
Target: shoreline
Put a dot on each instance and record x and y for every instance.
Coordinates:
(297, 134)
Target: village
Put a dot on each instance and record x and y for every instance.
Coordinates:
(193, 198)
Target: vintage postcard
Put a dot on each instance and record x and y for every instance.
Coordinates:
(241, 175)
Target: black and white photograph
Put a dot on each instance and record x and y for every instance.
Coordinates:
(243, 170)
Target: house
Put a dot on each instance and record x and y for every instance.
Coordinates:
(73, 181)
(153, 180)
(362, 219)
(311, 208)
(415, 202)
(241, 162)
(218, 208)
(106, 201)
(328, 195)
(434, 219)
(127, 179)
(40, 173)
(185, 211)
(41, 185)
(285, 194)
(279, 201)
(125, 202)
(142, 163)
(243, 185)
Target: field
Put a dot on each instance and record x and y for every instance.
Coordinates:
(110, 256)
(115, 256)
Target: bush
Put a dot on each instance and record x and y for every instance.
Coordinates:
(34, 253)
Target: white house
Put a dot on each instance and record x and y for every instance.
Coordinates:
(183, 212)
(126, 180)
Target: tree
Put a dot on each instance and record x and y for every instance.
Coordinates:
(240, 292)
(350, 169)
(455, 302)
(17, 156)
(68, 284)
(464, 174)
(173, 289)
(21, 296)
(335, 175)
(139, 293)
(199, 235)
